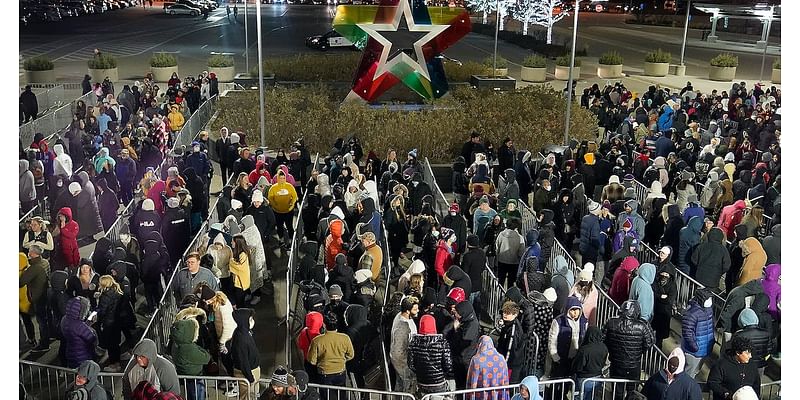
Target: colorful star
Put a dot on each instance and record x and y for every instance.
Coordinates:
(377, 73)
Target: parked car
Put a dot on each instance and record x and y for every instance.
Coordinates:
(182, 9)
(328, 40)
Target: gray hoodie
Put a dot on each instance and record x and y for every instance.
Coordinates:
(638, 221)
(163, 369)
(562, 282)
(27, 185)
(510, 246)
(89, 370)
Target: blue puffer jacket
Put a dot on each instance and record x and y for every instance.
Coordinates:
(698, 330)
(665, 120)
(79, 338)
(592, 241)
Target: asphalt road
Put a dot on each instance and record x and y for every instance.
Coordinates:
(133, 34)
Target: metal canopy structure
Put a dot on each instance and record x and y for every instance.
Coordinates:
(759, 11)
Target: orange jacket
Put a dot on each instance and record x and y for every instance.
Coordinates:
(334, 243)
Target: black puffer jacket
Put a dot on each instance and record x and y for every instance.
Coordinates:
(547, 229)
(627, 337)
(429, 357)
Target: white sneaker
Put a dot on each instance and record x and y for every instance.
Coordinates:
(232, 391)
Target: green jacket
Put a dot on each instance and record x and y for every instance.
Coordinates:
(35, 276)
(189, 358)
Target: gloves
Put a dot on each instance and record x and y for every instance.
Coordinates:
(223, 349)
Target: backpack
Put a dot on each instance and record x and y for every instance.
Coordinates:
(651, 174)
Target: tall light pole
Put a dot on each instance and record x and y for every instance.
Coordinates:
(766, 42)
(246, 42)
(571, 68)
(260, 75)
(685, 29)
(496, 31)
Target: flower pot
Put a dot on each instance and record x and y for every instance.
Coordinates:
(656, 69)
(163, 74)
(99, 74)
(609, 71)
(224, 74)
(725, 74)
(493, 83)
(40, 76)
(776, 75)
(562, 73)
(533, 74)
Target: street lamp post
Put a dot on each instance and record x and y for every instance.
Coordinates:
(246, 42)
(685, 29)
(766, 42)
(260, 75)
(496, 31)
(571, 68)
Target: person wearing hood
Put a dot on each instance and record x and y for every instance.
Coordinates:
(628, 337)
(107, 204)
(473, 262)
(528, 389)
(259, 268)
(592, 243)
(674, 224)
(27, 187)
(566, 333)
(588, 171)
(33, 291)
(621, 282)
(462, 334)
(146, 220)
(711, 259)
(665, 293)
(79, 339)
(672, 383)
(418, 189)
(734, 370)
(429, 357)
(188, 356)
(586, 291)
(487, 368)
(731, 216)
(370, 216)
(613, 191)
(455, 221)
(86, 383)
(244, 352)
(523, 174)
(155, 263)
(755, 258)
(632, 212)
(334, 244)
(562, 281)
(360, 331)
(221, 253)
(87, 214)
(772, 245)
(149, 367)
(697, 332)
(509, 188)
(689, 239)
(589, 361)
(67, 233)
(282, 198)
(642, 290)
(62, 165)
(760, 338)
(509, 247)
(530, 270)
(565, 217)
(175, 230)
(312, 329)
(397, 227)
(710, 193)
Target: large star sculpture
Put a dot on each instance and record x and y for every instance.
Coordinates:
(382, 67)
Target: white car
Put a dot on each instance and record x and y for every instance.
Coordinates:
(182, 9)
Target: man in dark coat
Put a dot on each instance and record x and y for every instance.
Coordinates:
(734, 370)
(473, 263)
(30, 107)
(463, 334)
(417, 190)
(511, 343)
(711, 259)
(86, 84)
(455, 221)
(671, 383)
(175, 230)
(471, 147)
(125, 169)
(628, 337)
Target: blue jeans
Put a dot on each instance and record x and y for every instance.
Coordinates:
(195, 389)
(587, 388)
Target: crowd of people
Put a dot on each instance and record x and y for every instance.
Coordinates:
(710, 163)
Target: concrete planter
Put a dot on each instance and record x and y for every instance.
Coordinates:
(224, 74)
(498, 72)
(248, 81)
(562, 73)
(496, 83)
(40, 76)
(725, 74)
(677, 70)
(776, 75)
(99, 74)
(533, 74)
(656, 69)
(163, 74)
(609, 71)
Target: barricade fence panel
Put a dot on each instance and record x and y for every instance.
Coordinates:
(606, 388)
(555, 389)
(43, 381)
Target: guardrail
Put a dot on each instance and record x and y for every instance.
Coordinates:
(549, 390)
(49, 96)
(55, 122)
(606, 388)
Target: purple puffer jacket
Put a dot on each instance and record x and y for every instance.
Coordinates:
(772, 288)
(79, 338)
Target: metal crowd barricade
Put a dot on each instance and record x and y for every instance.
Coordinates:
(343, 393)
(49, 96)
(442, 205)
(43, 381)
(606, 388)
(54, 122)
(554, 389)
(771, 391)
(641, 192)
(213, 386)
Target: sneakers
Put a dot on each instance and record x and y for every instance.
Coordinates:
(41, 347)
(232, 390)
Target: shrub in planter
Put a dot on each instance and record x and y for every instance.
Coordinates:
(222, 66)
(534, 68)
(533, 116)
(311, 67)
(610, 65)
(39, 69)
(656, 63)
(562, 68)
(103, 65)
(501, 66)
(163, 66)
(463, 72)
(723, 67)
(776, 71)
